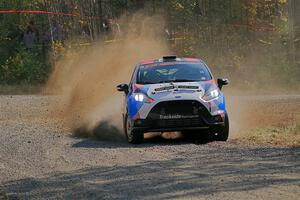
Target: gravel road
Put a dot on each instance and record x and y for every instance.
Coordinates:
(39, 159)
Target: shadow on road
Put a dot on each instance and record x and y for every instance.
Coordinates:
(114, 137)
(157, 141)
(206, 173)
(104, 131)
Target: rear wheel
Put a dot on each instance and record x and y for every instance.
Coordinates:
(222, 133)
(133, 136)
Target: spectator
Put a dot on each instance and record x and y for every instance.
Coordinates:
(55, 33)
(33, 27)
(29, 37)
(106, 26)
(116, 29)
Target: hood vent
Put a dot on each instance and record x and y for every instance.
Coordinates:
(165, 88)
(188, 87)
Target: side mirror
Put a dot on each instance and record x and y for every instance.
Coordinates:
(222, 82)
(123, 88)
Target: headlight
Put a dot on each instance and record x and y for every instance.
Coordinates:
(211, 95)
(214, 93)
(140, 97)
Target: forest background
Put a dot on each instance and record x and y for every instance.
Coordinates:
(254, 43)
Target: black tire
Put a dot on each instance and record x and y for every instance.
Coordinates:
(133, 137)
(222, 133)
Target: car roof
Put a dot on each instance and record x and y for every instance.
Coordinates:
(173, 59)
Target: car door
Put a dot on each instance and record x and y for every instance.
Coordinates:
(125, 101)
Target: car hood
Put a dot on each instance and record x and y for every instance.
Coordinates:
(177, 90)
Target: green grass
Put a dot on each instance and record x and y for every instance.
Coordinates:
(20, 89)
(281, 135)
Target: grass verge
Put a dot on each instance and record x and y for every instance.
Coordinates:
(284, 135)
(20, 89)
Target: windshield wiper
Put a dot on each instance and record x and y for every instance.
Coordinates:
(145, 83)
(184, 80)
(178, 80)
(167, 81)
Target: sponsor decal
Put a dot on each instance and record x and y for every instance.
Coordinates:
(178, 116)
(184, 91)
(188, 87)
(165, 88)
(176, 87)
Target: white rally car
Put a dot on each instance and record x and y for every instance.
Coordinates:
(174, 94)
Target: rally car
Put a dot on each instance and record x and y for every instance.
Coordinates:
(174, 94)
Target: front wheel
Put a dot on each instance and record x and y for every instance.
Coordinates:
(222, 133)
(133, 136)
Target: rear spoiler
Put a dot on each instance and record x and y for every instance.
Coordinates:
(169, 58)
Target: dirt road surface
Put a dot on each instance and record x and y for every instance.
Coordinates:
(39, 159)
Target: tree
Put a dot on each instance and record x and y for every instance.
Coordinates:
(294, 31)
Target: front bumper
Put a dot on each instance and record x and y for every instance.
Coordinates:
(179, 115)
(163, 125)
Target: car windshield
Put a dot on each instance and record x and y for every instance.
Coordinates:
(178, 72)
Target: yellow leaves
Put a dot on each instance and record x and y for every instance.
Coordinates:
(58, 48)
(252, 10)
(265, 42)
(282, 1)
(179, 6)
(258, 11)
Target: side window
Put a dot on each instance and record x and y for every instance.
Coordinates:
(208, 71)
(133, 77)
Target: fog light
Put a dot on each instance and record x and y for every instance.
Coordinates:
(138, 122)
(218, 118)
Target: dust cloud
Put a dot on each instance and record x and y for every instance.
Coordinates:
(86, 78)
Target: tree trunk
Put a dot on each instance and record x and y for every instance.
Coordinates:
(294, 31)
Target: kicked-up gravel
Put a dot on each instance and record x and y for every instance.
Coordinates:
(40, 159)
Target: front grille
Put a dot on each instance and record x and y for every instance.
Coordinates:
(188, 110)
(180, 113)
(195, 122)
